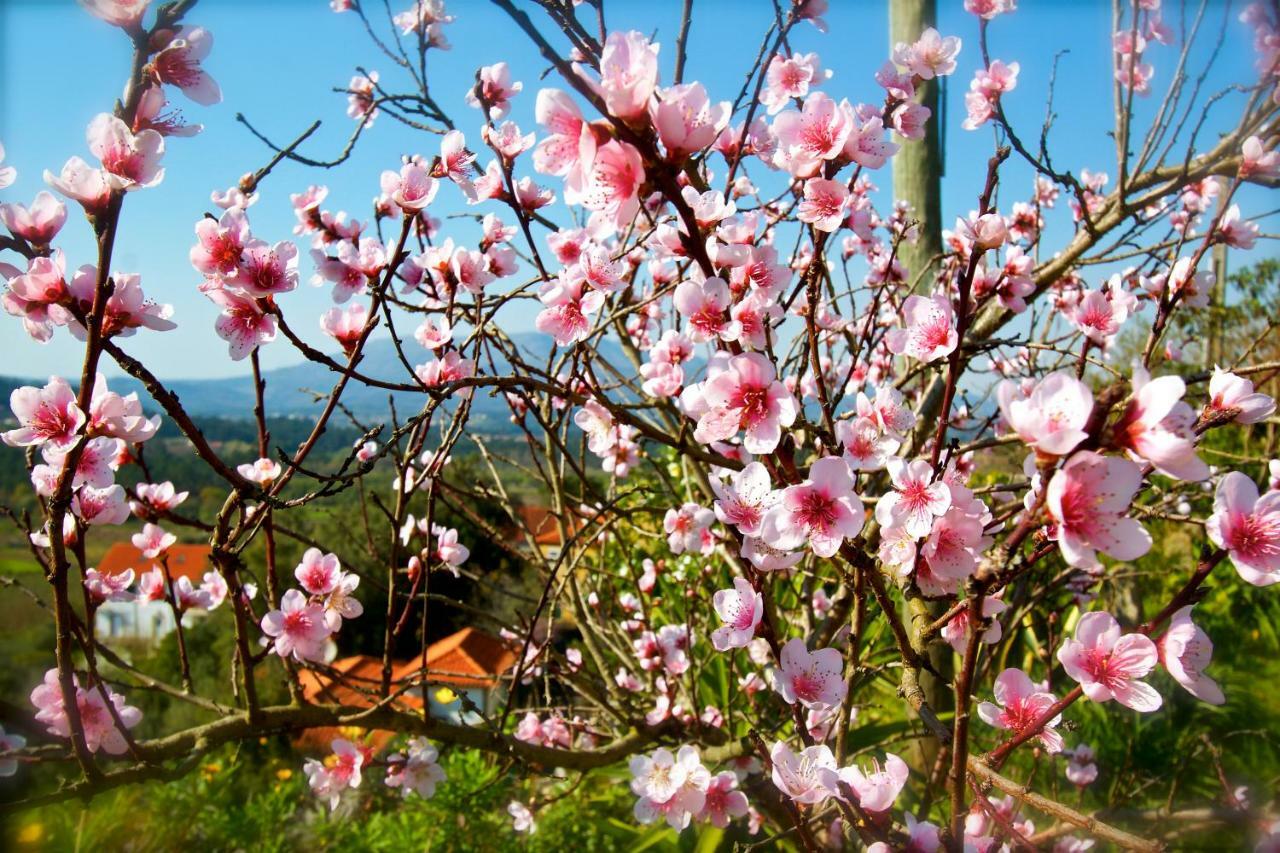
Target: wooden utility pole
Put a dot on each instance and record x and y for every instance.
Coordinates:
(917, 167)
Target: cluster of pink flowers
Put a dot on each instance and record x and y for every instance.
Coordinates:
(306, 618)
(679, 789)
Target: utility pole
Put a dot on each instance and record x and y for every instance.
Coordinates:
(917, 167)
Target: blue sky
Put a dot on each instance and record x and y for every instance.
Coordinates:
(278, 60)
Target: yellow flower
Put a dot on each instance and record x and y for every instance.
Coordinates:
(444, 696)
(284, 774)
(31, 833)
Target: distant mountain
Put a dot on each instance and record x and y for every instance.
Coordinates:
(288, 387)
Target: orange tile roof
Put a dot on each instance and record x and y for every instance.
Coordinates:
(189, 561)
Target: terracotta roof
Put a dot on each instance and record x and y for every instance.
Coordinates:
(190, 561)
(541, 522)
(469, 658)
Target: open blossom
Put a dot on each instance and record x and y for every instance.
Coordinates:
(1052, 417)
(129, 161)
(262, 471)
(341, 770)
(1088, 498)
(806, 777)
(1248, 527)
(670, 786)
(412, 188)
(37, 224)
(416, 771)
(744, 500)
(221, 243)
(103, 588)
(1108, 665)
(916, 499)
(628, 73)
(448, 549)
(1081, 770)
(345, 325)
(569, 303)
(1231, 394)
(243, 323)
(47, 416)
(878, 789)
(686, 528)
(824, 510)
(494, 89)
(811, 678)
(746, 396)
(741, 609)
(521, 818)
(824, 204)
(153, 541)
(790, 77)
(318, 573)
(96, 720)
(1019, 705)
(1158, 425)
(178, 64)
(956, 631)
(298, 628)
(686, 120)
(1256, 161)
(929, 56)
(704, 304)
(83, 183)
(360, 97)
(817, 132)
(724, 801)
(1100, 316)
(1186, 650)
(928, 332)
(866, 448)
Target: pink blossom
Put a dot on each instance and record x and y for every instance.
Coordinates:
(916, 498)
(1248, 527)
(867, 144)
(38, 224)
(740, 608)
(1256, 161)
(628, 74)
(360, 98)
(46, 416)
(318, 573)
(341, 602)
(341, 770)
(956, 631)
(521, 818)
(686, 120)
(1081, 770)
(811, 678)
(346, 326)
(557, 153)
(909, 119)
(744, 396)
(1186, 650)
(988, 9)
(705, 305)
(1108, 665)
(96, 720)
(507, 140)
(434, 333)
(456, 164)
(878, 789)
(153, 541)
(928, 331)
(1157, 426)
(1019, 706)
(221, 243)
(178, 64)
(744, 501)
(685, 527)
(1100, 315)
(117, 416)
(824, 510)
(450, 367)
(670, 786)
(156, 498)
(129, 161)
(818, 132)
(611, 181)
(417, 771)
(126, 14)
(930, 56)
(569, 302)
(103, 588)
(298, 628)
(1231, 395)
(494, 90)
(127, 309)
(243, 323)
(38, 296)
(101, 506)
(1088, 498)
(8, 174)
(1236, 232)
(83, 183)
(262, 471)
(805, 777)
(824, 204)
(790, 77)
(448, 550)
(1051, 419)
(724, 801)
(412, 189)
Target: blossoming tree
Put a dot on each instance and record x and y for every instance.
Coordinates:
(776, 503)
